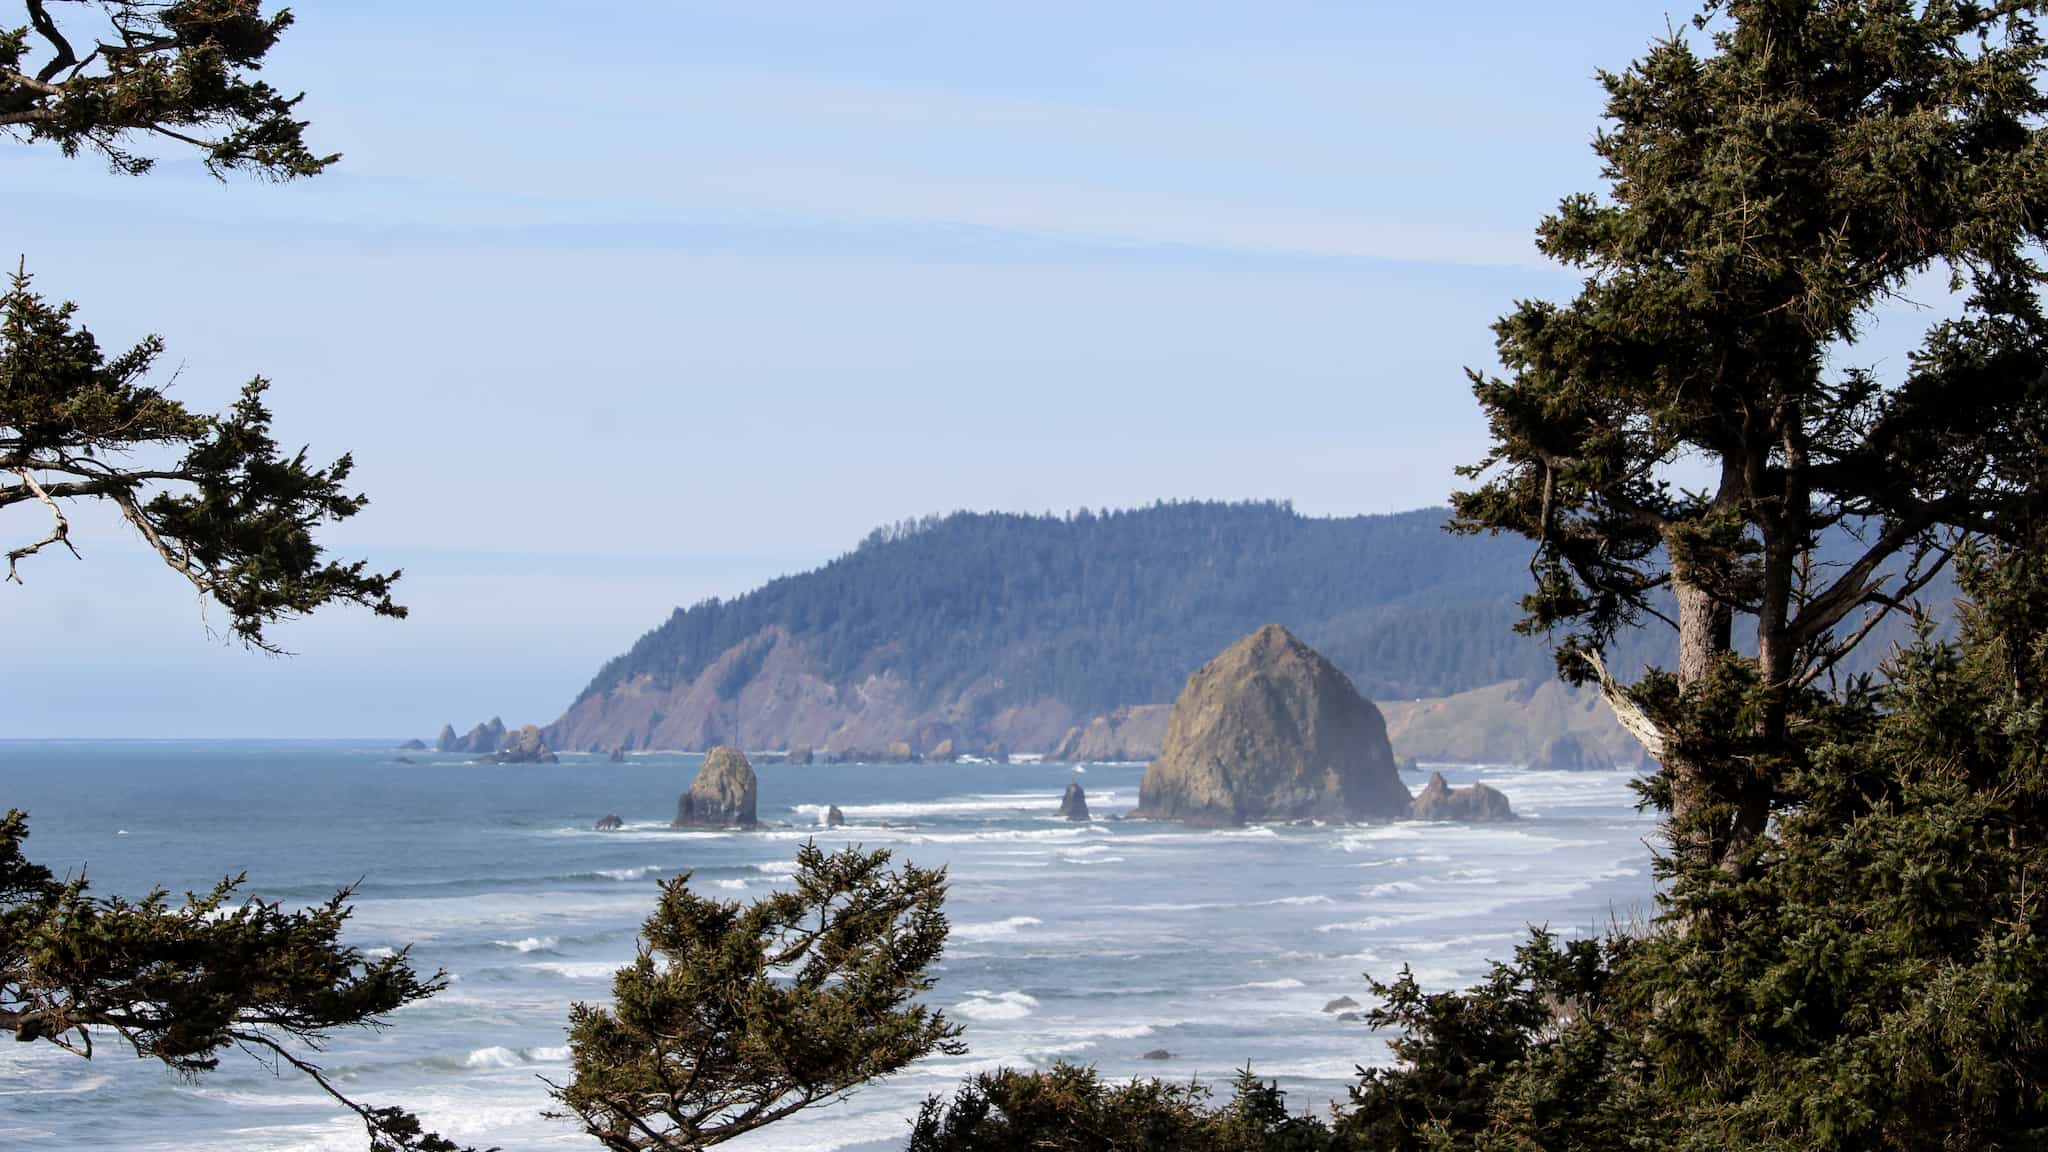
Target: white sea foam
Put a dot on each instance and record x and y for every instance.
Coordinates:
(1374, 923)
(493, 1057)
(579, 969)
(640, 873)
(1392, 888)
(531, 944)
(499, 1056)
(978, 804)
(994, 929)
(1279, 985)
(981, 1005)
(733, 885)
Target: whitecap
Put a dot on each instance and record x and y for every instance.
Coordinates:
(579, 969)
(530, 944)
(640, 873)
(981, 1005)
(992, 930)
(1373, 923)
(495, 1056)
(1279, 985)
(1392, 888)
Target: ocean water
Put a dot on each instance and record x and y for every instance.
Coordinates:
(1094, 943)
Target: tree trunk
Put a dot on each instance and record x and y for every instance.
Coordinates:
(1706, 633)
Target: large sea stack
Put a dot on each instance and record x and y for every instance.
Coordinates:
(1270, 730)
(722, 795)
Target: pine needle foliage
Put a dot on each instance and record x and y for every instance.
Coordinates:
(1775, 173)
(737, 1015)
(213, 495)
(96, 77)
(1069, 1108)
(183, 981)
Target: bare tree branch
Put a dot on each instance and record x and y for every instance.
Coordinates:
(60, 534)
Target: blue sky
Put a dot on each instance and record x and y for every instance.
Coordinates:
(620, 306)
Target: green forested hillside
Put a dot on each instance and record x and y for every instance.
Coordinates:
(1100, 610)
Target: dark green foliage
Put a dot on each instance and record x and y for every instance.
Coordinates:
(212, 495)
(1877, 979)
(1118, 608)
(1883, 983)
(1068, 1108)
(180, 981)
(1763, 200)
(1455, 1050)
(179, 71)
(735, 1016)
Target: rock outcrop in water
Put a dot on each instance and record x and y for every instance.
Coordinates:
(800, 754)
(523, 746)
(1270, 730)
(617, 755)
(834, 818)
(481, 740)
(1570, 753)
(413, 746)
(723, 793)
(610, 823)
(1476, 803)
(1074, 805)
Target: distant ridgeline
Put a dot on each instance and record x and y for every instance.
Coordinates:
(1002, 632)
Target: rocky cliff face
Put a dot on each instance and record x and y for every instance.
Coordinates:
(769, 692)
(723, 793)
(1270, 730)
(1506, 723)
(1571, 752)
(1129, 734)
(1476, 803)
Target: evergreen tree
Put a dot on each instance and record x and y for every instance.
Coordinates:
(179, 72)
(736, 1016)
(212, 495)
(1762, 201)
(221, 504)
